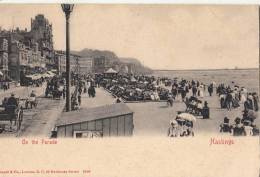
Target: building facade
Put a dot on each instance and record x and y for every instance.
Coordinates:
(18, 60)
(100, 64)
(85, 65)
(41, 32)
(28, 51)
(3, 58)
(79, 65)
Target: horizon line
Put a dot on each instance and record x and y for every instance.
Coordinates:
(205, 69)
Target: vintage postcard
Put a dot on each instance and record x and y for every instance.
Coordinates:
(138, 90)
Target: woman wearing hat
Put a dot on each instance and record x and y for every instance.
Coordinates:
(225, 126)
(238, 128)
(248, 128)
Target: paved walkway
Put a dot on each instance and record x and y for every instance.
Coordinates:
(102, 98)
(37, 121)
(153, 118)
(22, 91)
(40, 121)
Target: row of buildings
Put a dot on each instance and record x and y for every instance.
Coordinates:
(25, 52)
(91, 65)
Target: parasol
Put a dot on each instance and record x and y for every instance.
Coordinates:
(187, 116)
(139, 90)
(173, 121)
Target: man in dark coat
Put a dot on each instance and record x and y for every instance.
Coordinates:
(210, 89)
(255, 100)
(12, 100)
(11, 104)
(229, 101)
(79, 99)
(194, 91)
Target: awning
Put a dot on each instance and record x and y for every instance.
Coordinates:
(34, 76)
(51, 74)
(54, 70)
(45, 75)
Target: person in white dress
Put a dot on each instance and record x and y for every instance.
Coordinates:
(173, 129)
(201, 90)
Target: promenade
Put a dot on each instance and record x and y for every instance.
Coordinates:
(150, 118)
(38, 121)
(153, 118)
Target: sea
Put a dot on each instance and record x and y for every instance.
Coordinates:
(248, 78)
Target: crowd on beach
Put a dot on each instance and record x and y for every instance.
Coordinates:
(140, 88)
(232, 98)
(135, 88)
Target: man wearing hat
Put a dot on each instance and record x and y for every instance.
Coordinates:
(12, 100)
(11, 104)
(33, 99)
(205, 111)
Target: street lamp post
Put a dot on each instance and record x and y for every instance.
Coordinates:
(67, 9)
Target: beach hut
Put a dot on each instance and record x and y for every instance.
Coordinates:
(104, 121)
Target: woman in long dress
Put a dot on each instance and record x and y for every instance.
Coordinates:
(201, 90)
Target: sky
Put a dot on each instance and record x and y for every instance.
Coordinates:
(160, 36)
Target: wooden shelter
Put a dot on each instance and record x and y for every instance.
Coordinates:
(103, 121)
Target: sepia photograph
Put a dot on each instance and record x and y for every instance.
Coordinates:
(153, 70)
(100, 73)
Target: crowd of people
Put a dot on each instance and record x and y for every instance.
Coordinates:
(84, 84)
(241, 127)
(180, 128)
(233, 98)
(55, 87)
(192, 93)
(135, 88)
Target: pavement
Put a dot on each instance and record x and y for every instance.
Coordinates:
(153, 118)
(22, 91)
(150, 118)
(102, 98)
(38, 121)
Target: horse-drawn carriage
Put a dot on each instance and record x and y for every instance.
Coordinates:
(11, 113)
(54, 92)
